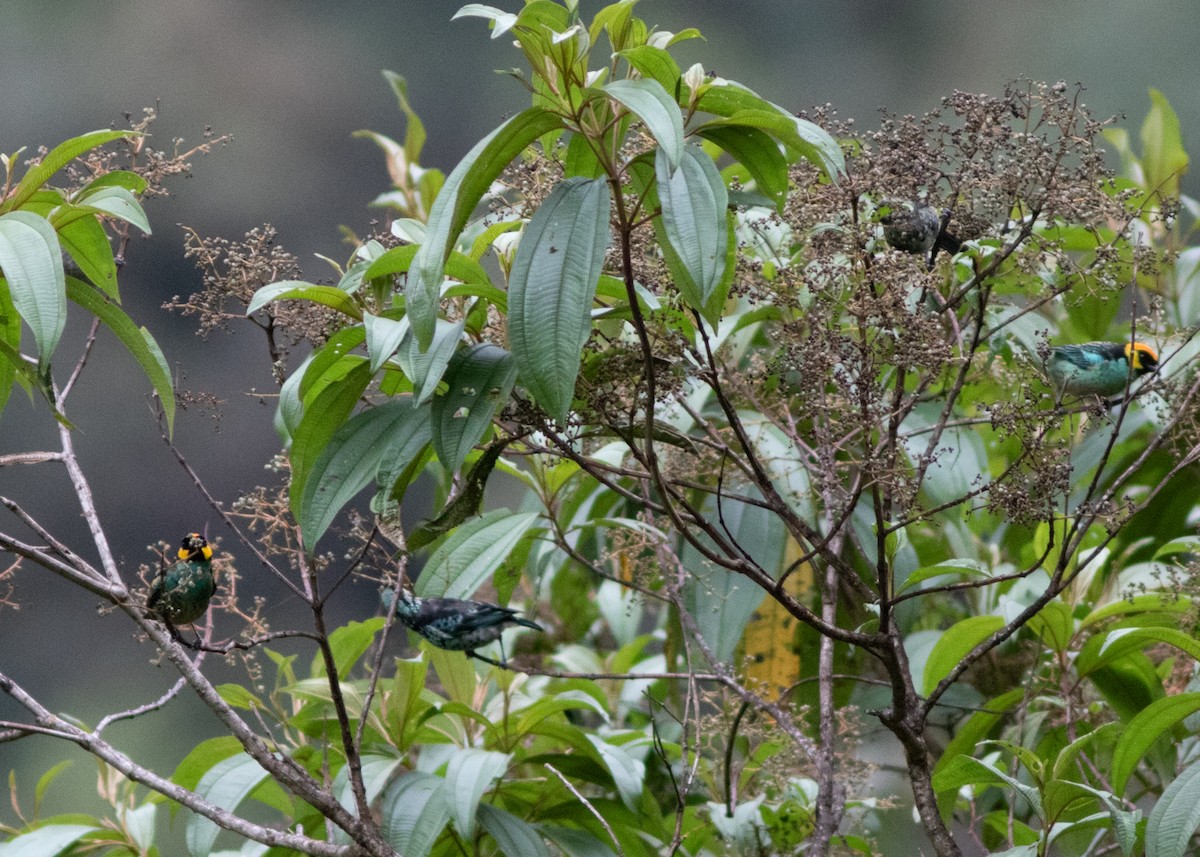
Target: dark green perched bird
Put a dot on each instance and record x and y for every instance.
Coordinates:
(180, 593)
(1099, 368)
(917, 228)
(456, 624)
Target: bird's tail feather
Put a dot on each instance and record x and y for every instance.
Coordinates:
(528, 623)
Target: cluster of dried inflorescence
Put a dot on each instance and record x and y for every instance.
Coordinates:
(232, 272)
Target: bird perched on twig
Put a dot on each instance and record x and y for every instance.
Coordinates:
(180, 592)
(1099, 368)
(917, 228)
(456, 624)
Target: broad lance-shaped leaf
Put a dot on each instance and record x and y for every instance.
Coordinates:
(801, 137)
(551, 287)
(758, 152)
(384, 336)
(330, 296)
(137, 339)
(1147, 726)
(955, 643)
(515, 836)
(116, 202)
(721, 601)
(1164, 159)
(31, 261)
(480, 379)
(391, 431)
(425, 368)
(650, 102)
(324, 413)
(469, 774)
(460, 194)
(87, 243)
(1175, 817)
(51, 839)
(10, 347)
(413, 811)
(694, 203)
(226, 784)
(472, 554)
(55, 160)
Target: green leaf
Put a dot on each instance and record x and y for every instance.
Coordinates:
(480, 379)
(577, 843)
(87, 243)
(628, 772)
(1155, 720)
(516, 838)
(968, 771)
(201, 758)
(1121, 641)
(1154, 603)
(290, 408)
(551, 287)
(469, 774)
(460, 194)
(1184, 545)
(954, 644)
(414, 130)
(140, 824)
(656, 64)
(950, 567)
(1067, 757)
(720, 601)
(289, 290)
(131, 181)
(472, 554)
(55, 160)
(650, 102)
(501, 21)
(1175, 817)
(413, 813)
(332, 362)
(31, 260)
(226, 785)
(426, 368)
(352, 457)
(115, 201)
(1164, 159)
(377, 772)
(136, 339)
(976, 728)
(695, 221)
(758, 152)
(384, 336)
(398, 260)
(1054, 625)
(44, 781)
(1061, 796)
(47, 841)
(741, 106)
(323, 415)
(348, 643)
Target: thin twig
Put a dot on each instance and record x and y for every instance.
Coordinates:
(587, 803)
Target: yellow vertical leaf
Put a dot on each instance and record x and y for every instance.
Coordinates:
(770, 642)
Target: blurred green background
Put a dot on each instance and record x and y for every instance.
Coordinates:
(290, 80)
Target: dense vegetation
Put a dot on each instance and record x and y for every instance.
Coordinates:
(774, 483)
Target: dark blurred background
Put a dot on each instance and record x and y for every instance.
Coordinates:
(290, 81)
